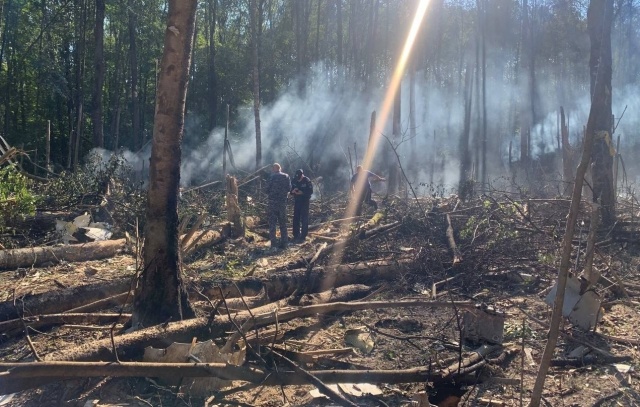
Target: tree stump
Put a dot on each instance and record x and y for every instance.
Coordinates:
(234, 215)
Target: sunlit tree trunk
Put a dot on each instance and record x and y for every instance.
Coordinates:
(599, 20)
(161, 295)
(255, 20)
(213, 77)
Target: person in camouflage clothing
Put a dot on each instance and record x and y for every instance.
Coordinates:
(278, 187)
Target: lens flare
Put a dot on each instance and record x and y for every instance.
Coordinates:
(384, 110)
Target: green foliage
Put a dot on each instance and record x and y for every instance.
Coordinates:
(16, 198)
(89, 184)
(514, 332)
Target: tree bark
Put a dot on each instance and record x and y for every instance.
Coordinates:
(35, 256)
(57, 301)
(255, 29)
(234, 215)
(161, 295)
(599, 20)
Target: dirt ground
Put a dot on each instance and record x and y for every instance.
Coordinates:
(508, 261)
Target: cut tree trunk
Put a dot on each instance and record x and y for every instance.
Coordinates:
(57, 301)
(35, 256)
(285, 283)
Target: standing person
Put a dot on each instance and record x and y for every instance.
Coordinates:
(360, 182)
(301, 189)
(278, 187)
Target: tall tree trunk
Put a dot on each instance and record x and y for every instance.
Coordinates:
(483, 66)
(412, 114)
(394, 172)
(98, 63)
(317, 47)
(116, 88)
(369, 70)
(133, 66)
(567, 155)
(161, 295)
(301, 20)
(256, 79)
(213, 77)
(339, 36)
(465, 186)
(79, 79)
(599, 20)
(525, 114)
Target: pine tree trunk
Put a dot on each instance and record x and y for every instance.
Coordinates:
(599, 20)
(256, 80)
(161, 295)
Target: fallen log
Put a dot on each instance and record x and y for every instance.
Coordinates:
(115, 300)
(35, 256)
(61, 319)
(57, 301)
(242, 303)
(21, 376)
(205, 239)
(346, 293)
(131, 345)
(589, 360)
(274, 287)
(283, 284)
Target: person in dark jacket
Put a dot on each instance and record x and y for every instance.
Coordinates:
(301, 189)
(278, 187)
(360, 183)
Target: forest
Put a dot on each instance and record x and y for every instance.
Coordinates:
(497, 266)
(322, 69)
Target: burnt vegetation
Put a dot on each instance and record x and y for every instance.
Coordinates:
(440, 256)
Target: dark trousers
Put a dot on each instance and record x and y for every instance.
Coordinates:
(278, 217)
(300, 215)
(365, 198)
